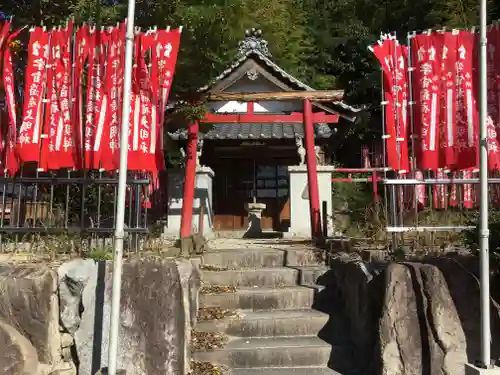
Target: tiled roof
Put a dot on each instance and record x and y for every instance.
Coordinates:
(257, 131)
(257, 54)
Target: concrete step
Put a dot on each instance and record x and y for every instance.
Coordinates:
(268, 323)
(285, 371)
(290, 298)
(304, 257)
(312, 275)
(245, 258)
(261, 277)
(269, 352)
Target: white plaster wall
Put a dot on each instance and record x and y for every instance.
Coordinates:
(300, 219)
(259, 85)
(202, 195)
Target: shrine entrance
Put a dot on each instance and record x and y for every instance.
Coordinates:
(260, 120)
(252, 171)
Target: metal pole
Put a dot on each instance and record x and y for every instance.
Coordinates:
(483, 185)
(122, 187)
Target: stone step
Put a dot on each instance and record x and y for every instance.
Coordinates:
(285, 371)
(312, 275)
(261, 277)
(290, 298)
(268, 323)
(304, 257)
(245, 258)
(269, 352)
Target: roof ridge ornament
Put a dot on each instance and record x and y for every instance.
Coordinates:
(253, 42)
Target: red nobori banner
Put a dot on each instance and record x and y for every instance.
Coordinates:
(400, 92)
(56, 131)
(113, 87)
(96, 100)
(58, 144)
(493, 71)
(440, 192)
(135, 111)
(82, 49)
(468, 190)
(467, 117)
(144, 129)
(426, 57)
(28, 140)
(448, 129)
(391, 58)
(4, 33)
(149, 96)
(11, 164)
(163, 69)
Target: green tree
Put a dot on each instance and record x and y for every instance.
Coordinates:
(56, 12)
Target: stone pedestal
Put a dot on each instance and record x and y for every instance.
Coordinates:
(300, 219)
(202, 201)
(254, 218)
(473, 370)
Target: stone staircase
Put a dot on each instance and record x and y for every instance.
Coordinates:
(276, 330)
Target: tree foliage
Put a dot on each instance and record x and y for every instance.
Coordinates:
(322, 42)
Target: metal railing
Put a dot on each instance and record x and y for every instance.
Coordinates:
(78, 205)
(422, 212)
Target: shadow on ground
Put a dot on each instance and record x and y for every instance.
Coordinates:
(336, 332)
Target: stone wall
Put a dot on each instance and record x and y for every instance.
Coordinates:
(53, 322)
(29, 321)
(413, 318)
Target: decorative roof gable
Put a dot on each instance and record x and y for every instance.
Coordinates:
(255, 47)
(253, 42)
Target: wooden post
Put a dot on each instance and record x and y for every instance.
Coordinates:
(312, 173)
(189, 181)
(375, 186)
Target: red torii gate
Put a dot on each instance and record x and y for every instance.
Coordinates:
(308, 118)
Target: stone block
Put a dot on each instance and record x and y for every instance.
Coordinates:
(73, 276)
(18, 356)
(29, 303)
(473, 370)
(158, 308)
(300, 223)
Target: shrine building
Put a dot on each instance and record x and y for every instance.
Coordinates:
(251, 155)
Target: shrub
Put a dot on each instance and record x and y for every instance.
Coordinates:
(471, 237)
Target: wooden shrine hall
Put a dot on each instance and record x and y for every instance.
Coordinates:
(262, 126)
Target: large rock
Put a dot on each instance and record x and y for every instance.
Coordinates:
(158, 308)
(400, 341)
(18, 356)
(403, 318)
(73, 276)
(462, 277)
(362, 293)
(419, 330)
(29, 303)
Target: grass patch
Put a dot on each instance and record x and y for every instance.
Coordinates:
(99, 254)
